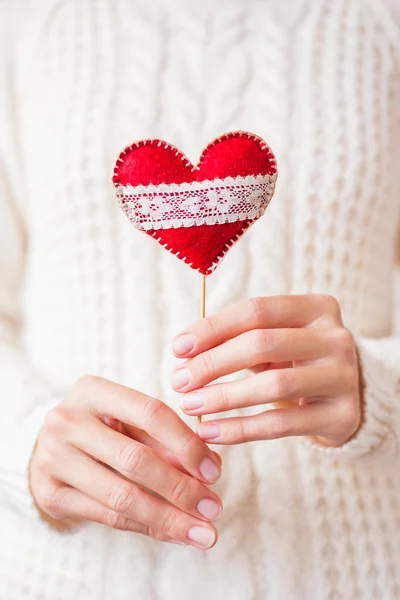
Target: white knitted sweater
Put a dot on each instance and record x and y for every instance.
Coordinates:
(80, 79)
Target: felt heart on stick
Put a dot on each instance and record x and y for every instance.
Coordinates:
(196, 212)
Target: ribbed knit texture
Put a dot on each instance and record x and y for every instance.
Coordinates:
(79, 81)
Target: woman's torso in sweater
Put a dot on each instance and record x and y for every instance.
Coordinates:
(319, 83)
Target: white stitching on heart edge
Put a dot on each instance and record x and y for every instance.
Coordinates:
(189, 164)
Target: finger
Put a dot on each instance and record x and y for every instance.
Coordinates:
(270, 386)
(141, 436)
(155, 418)
(273, 312)
(67, 502)
(143, 465)
(145, 438)
(307, 420)
(271, 365)
(79, 471)
(249, 349)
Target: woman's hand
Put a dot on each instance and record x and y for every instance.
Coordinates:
(298, 350)
(101, 445)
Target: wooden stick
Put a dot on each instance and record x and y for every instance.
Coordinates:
(203, 309)
(203, 296)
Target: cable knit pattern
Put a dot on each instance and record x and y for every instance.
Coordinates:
(81, 291)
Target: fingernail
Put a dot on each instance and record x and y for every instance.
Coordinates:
(209, 431)
(209, 469)
(183, 343)
(180, 378)
(192, 401)
(202, 536)
(209, 509)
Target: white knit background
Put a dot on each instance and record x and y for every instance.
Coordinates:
(320, 81)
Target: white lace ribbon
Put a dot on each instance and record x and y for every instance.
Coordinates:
(213, 202)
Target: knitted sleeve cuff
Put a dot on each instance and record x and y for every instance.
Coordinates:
(381, 405)
(14, 469)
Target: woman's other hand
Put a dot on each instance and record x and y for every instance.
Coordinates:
(90, 464)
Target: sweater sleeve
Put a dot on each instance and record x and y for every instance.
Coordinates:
(379, 434)
(25, 393)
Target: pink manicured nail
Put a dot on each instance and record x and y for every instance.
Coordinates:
(209, 469)
(209, 431)
(180, 378)
(201, 536)
(192, 401)
(183, 343)
(209, 509)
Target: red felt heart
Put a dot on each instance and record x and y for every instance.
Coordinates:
(197, 213)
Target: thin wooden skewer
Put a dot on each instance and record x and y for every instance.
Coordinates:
(203, 310)
(203, 296)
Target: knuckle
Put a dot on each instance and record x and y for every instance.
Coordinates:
(278, 426)
(276, 339)
(169, 522)
(207, 366)
(133, 457)
(44, 497)
(208, 362)
(153, 408)
(343, 340)
(121, 499)
(58, 502)
(180, 490)
(329, 305)
(213, 325)
(349, 377)
(57, 419)
(255, 308)
(259, 340)
(85, 382)
(347, 416)
(48, 499)
(187, 441)
(264, 341)
(153, 533)
(223, 401)
(44, 459)
(82, 387)
(116, 521)
(281, 383)
(241, 431)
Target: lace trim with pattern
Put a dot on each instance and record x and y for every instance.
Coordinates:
(215, 202)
